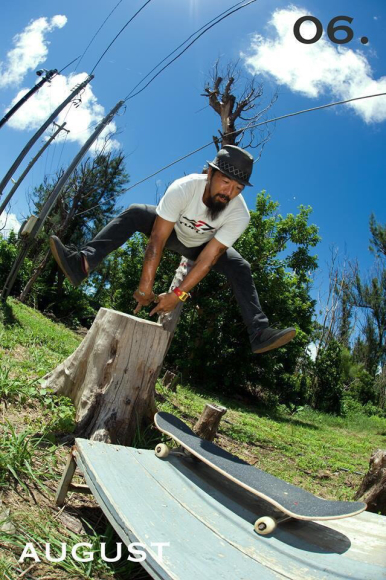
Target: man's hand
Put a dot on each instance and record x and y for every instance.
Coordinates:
(143, 300)
(166, 303)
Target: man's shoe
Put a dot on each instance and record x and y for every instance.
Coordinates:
(270, 338)
(71, 263)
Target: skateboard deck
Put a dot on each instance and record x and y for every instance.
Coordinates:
(288, 498)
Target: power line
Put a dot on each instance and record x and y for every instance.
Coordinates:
(119, 33)
(69, 64)
(206, 27)
(242, 130)
(97, 32)
(131, 96)
(182, 44)
(80, 58)
(251, 127)
(314, 109)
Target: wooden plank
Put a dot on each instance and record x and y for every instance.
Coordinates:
(65, 482)
(297, 549)
(138, 507)
(79, 488)
(208, 521)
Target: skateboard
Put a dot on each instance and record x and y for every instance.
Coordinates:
(290, 500)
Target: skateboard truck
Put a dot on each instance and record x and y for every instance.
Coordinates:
(162, 450)
(266, 525)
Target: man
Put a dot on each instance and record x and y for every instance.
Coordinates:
(200, 217)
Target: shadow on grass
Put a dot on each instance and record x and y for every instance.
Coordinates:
(7, 317)
(248, 405)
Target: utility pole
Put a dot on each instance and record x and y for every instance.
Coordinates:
(39, 221)
(48, 76)
(40, 132)
(29, 167)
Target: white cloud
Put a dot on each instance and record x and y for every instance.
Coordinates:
(8, 222)
(80, 120)
(316, 69)
(30, 50)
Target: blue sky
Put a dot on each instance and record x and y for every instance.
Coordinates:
(333, 160)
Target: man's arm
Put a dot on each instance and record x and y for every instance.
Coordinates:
(202, 266)
(159, 234)
(204, 263)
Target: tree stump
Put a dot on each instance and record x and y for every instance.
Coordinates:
(111, 376)
(207, 425)
(373, 487)
(170, 381)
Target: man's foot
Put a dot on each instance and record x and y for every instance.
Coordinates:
(72, 263)
(270, 338)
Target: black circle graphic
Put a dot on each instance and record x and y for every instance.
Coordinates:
(364, 40)
(318, 34)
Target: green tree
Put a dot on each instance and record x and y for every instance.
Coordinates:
(378, 237)
(9, 248)
(328, 370)
(87, 203)
(371, 298)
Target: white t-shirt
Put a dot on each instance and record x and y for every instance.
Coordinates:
(182, 204)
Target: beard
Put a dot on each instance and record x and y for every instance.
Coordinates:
(215, 206)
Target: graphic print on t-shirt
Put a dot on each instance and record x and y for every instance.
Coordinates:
(198, 226)
(183, 205)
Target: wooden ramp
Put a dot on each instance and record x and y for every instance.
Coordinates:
(208, 523)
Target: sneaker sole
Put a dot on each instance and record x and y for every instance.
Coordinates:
(281, 341)
(58, 260)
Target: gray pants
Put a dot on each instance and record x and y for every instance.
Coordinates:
(141, 218)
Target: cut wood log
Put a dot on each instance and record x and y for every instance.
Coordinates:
(111, 376)
(207, 425)
(373, 487)
(170, 381)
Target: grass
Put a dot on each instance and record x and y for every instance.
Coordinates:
(322, 453)
(61, 542)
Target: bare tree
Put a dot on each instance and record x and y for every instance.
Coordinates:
(234, 99)
(335, 307)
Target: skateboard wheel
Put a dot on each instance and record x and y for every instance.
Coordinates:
(265, 525)
(161, 450)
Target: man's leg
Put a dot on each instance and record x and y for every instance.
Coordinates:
(77, 265)
(238, 272)
(136, 218)
(239, 275)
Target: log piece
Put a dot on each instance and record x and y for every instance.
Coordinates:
(111, 376)
(373, 487)
(207, 425)
(170, 381)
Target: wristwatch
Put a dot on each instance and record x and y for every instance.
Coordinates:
(183, 296)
